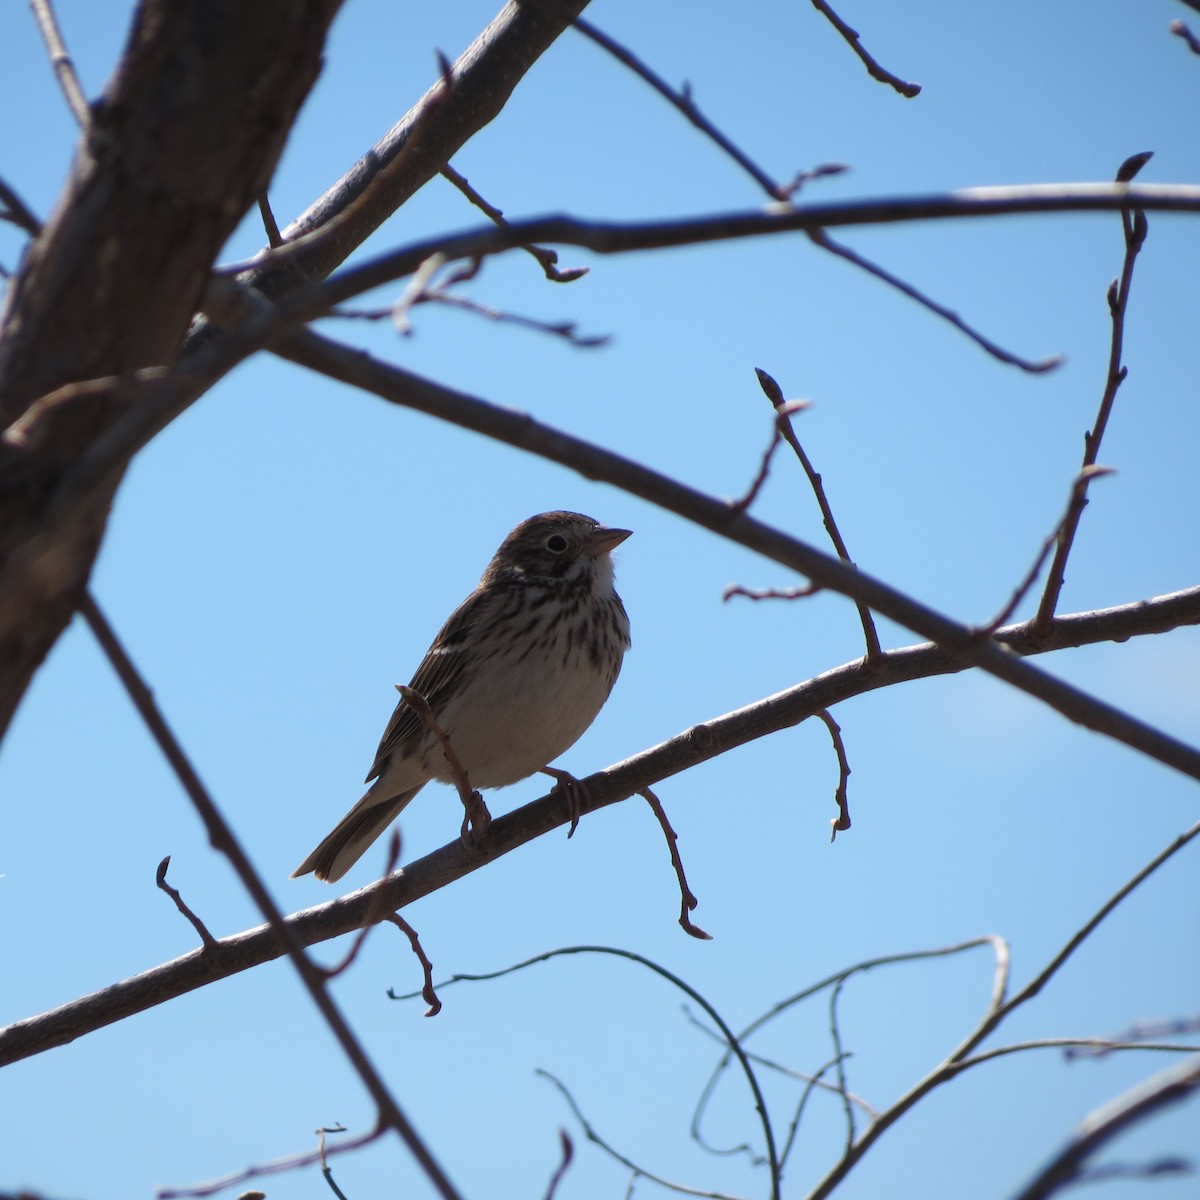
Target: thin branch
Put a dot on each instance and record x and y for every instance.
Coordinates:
(1181, 30)
(1169, 1087)
(567, 330)
(17, 212)
(783, 414)
(774, 393)
(567, 1153)
(793, 593)
(684, 103)
(688, 901)
(60, 60)
(907, 90)
(373, 918)
(547, 259)
(841, 822)
(160, 879)
(519, 429)
(1034, 366)
(1134, 227)
(1077, 489)
(590, 1132)
(428, 993)
(731, 1040)
(839, 1060)
(291, 1162)
(270, 225)
(998, 1010)
(222, 838)
(243, 951)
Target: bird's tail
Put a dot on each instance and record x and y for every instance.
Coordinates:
(353, 834)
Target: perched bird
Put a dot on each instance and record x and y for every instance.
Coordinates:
(515, 676)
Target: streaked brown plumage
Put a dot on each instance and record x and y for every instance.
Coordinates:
(515, 676)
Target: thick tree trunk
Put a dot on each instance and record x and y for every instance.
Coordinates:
(184, 139)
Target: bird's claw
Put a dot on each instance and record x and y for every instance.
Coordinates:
(475, 824)
(574, 791)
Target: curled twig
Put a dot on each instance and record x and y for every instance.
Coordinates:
(841, 822)
(427, 990)
(160, 879)
(688, 901)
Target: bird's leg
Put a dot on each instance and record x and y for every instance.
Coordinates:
(574, 791)
(476, 818)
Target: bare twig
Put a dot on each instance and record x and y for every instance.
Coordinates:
(546, 258)
(683, 101)
(1077, 488)
(731, 1040)
(688, 900)
(373, 917)
(476, 817)
(567, 330)
(1171, 1086)
(997, 1011)
(589, 1131)
(1143, 1031)
(270, 225)
(1034, 366)
(774, 393)
(1181, 30)
(60, 60)
(17, 212)
(907, 90)
(292, 1162)
(326, 1170)
(783, 414)
(160, 878)
(568, 1152)
(841, 822)
(222, 838)
(793, 593)
(839, 1063)
(399, 386)
(427, 990)
(1134, 227)
(701, 742)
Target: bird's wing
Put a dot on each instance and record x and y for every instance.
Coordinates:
(438, 677)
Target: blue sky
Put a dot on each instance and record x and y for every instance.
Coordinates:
(282, 555)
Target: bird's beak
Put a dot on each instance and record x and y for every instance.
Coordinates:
(604, 539)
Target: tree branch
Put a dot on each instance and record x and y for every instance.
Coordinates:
(242, 951)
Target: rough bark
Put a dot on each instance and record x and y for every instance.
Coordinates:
(185, 136)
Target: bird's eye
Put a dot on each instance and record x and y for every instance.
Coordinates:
(556, 543)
